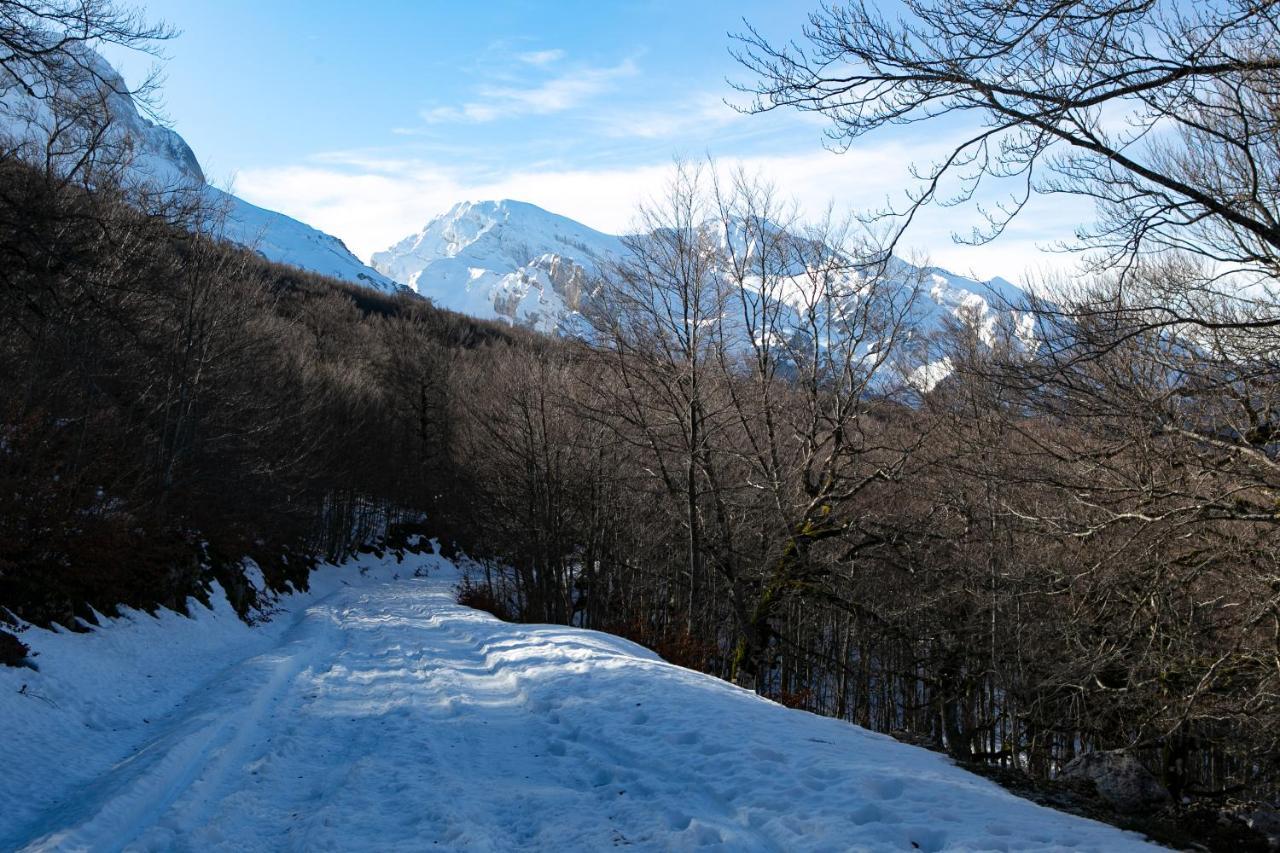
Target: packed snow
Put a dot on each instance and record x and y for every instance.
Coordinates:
(374, 713)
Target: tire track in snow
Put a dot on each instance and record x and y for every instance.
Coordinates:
(390, 718)
(200, 750)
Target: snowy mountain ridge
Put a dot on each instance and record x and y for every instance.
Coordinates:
(160, 158)
(517, 263)
(502, 260)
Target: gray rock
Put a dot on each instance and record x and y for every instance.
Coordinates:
(1120, 779)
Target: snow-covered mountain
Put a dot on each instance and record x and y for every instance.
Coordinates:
(515, 262)
(159, 157)
(503, 260)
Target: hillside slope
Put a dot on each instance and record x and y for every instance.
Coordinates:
(374, 713)
(160, 158)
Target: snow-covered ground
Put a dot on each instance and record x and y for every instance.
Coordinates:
(374, 713)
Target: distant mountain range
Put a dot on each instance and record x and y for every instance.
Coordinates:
(515, 262)
(505, 260)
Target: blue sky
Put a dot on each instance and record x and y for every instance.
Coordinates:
(366, 119)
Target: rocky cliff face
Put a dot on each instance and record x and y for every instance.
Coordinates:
(503, 260)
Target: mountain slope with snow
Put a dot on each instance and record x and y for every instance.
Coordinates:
(159, 158)
(505, 260)
(375, 713)
(515, 262)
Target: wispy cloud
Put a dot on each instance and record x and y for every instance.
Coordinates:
(541, 57)
(475, 111)
(557, 94)
(696, 114)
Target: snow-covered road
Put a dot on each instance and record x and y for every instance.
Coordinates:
(379, 715)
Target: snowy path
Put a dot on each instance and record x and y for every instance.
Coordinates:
(383, 716)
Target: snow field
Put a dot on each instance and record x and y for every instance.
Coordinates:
(377, 714)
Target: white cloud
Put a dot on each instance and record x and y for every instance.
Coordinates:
(557, 94)
(477, 112)
(541, 57)
(698, 113)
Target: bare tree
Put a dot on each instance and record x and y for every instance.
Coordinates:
(807, 344)
(1161, 111)
(657, 312)
(47, 47)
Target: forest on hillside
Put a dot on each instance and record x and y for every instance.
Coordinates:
(1068, 544)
